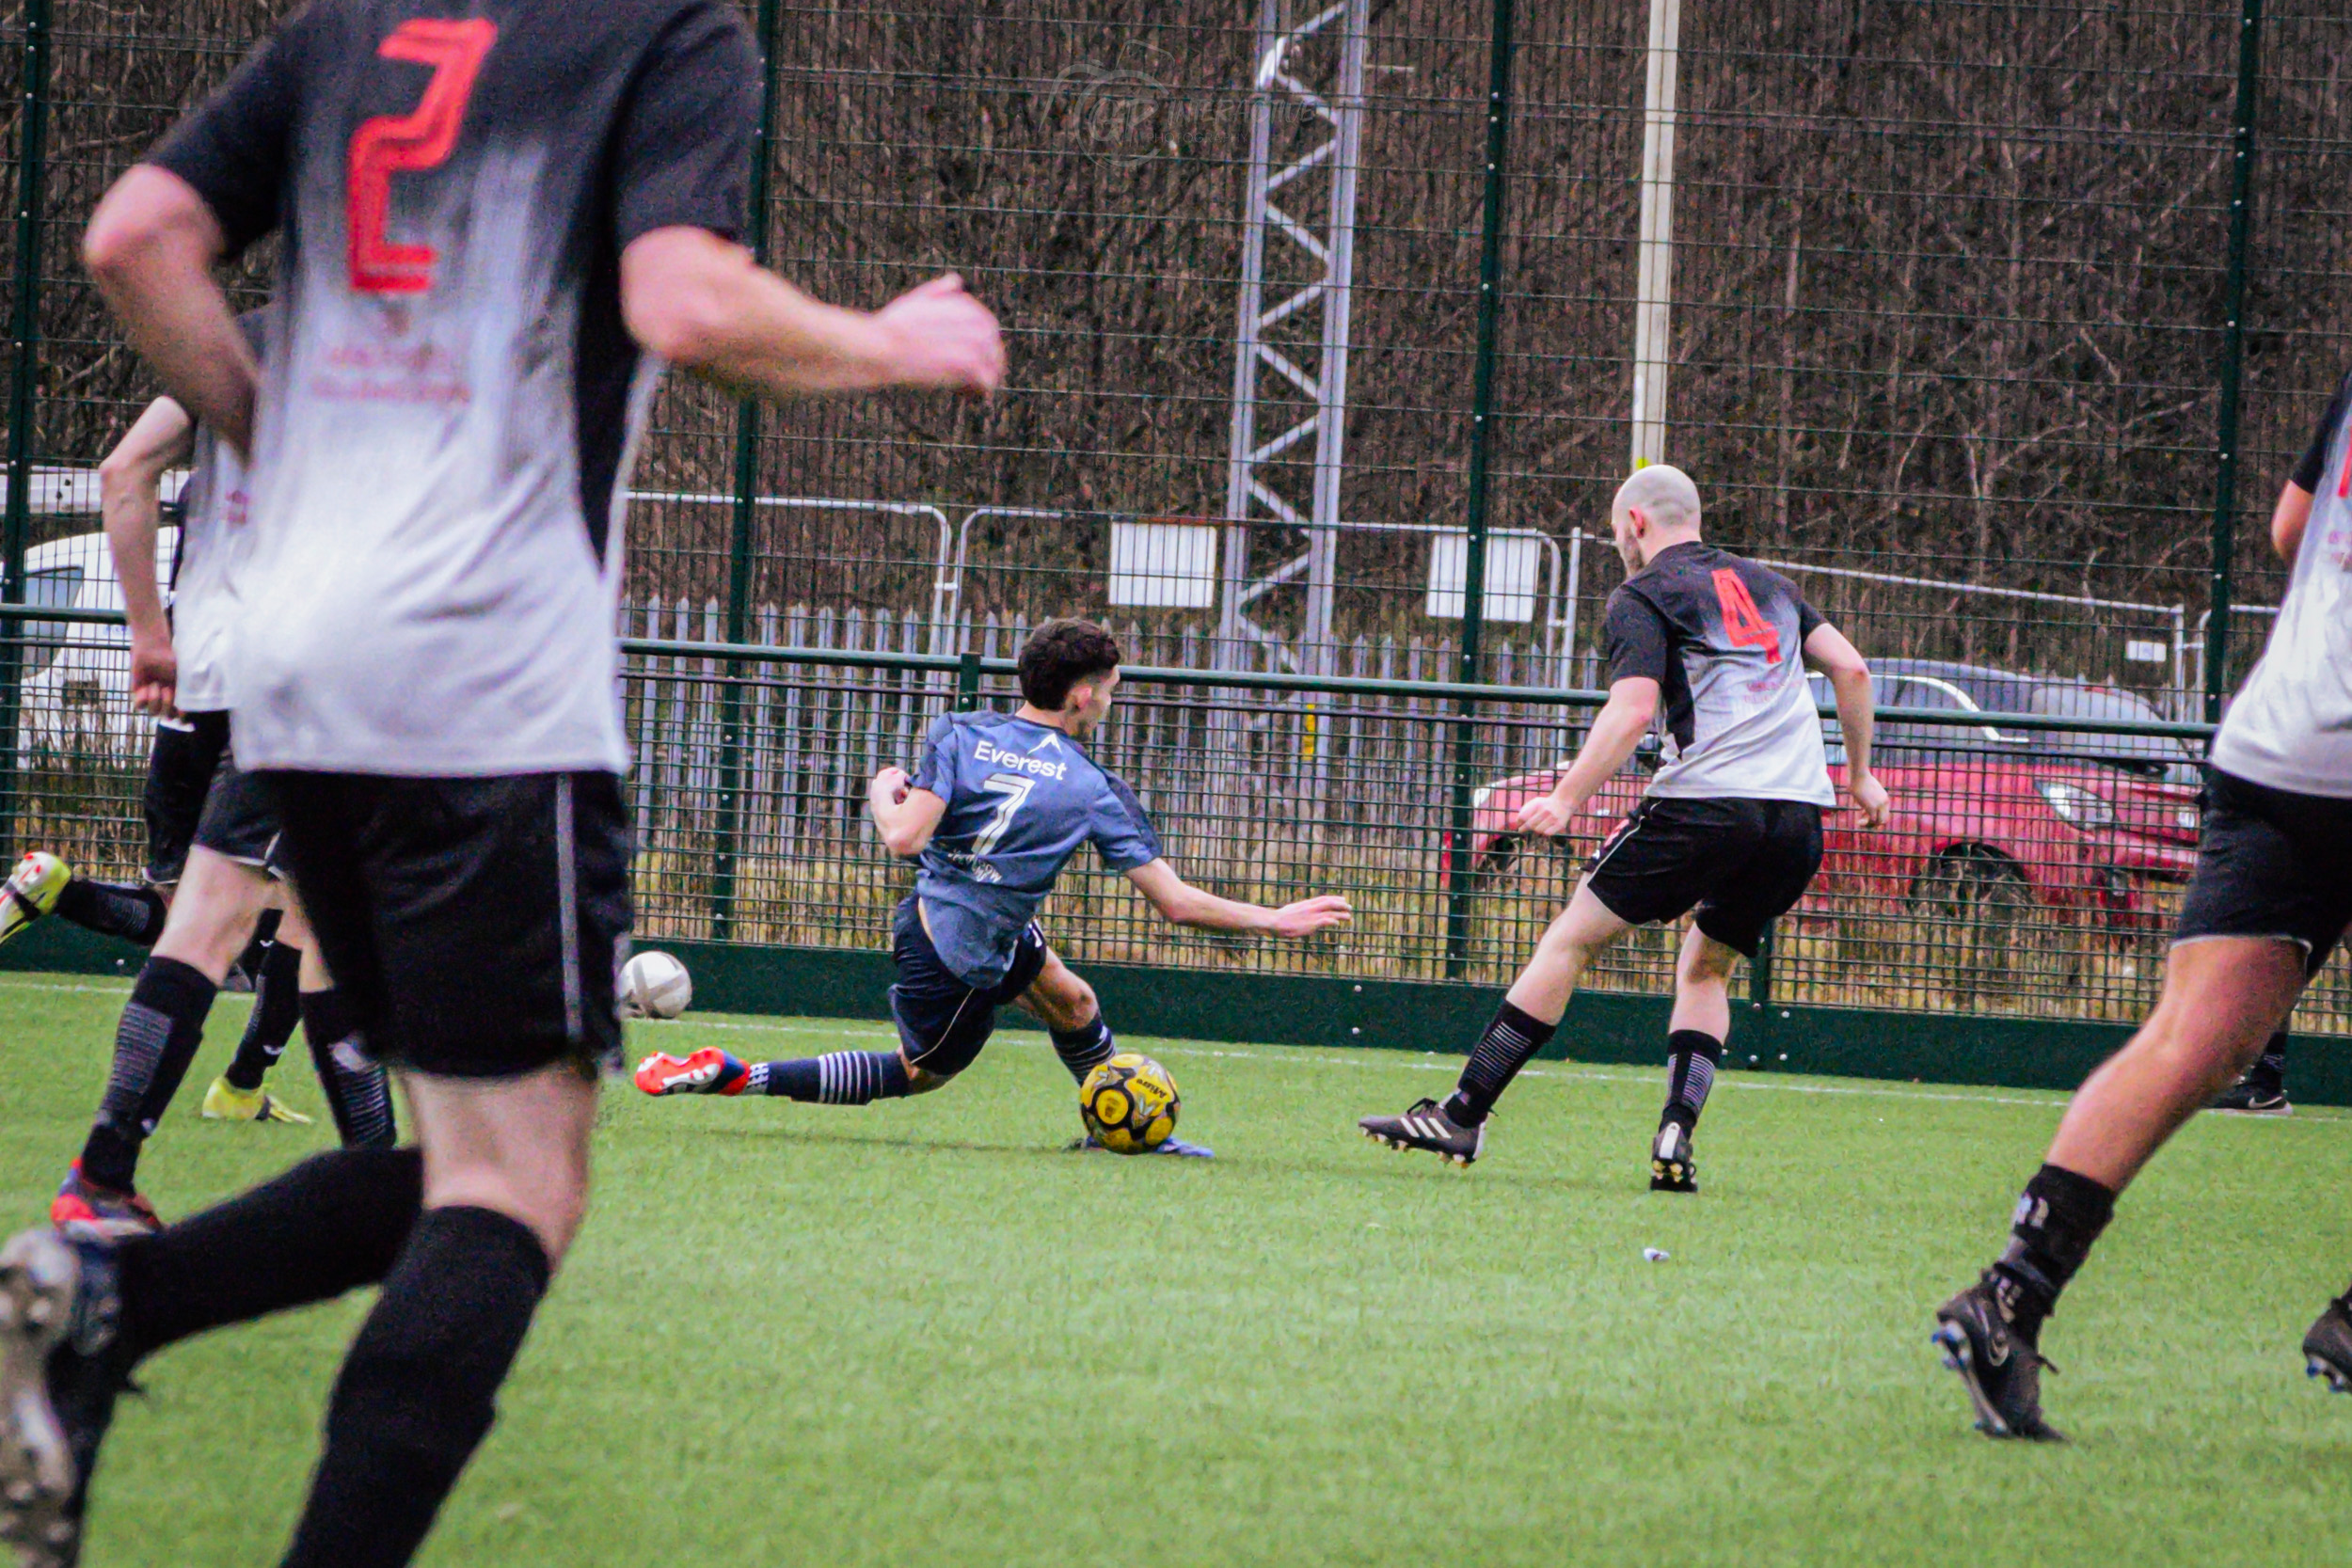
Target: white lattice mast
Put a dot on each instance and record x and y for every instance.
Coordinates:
(1290, 369)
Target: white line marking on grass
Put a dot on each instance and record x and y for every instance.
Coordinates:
(1591, 1076)
(116, 986)
(828, 1031)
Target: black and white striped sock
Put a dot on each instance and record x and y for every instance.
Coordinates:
(837, 1078)
(1691, 1058)
(1084, 1049)
(1509, 1044)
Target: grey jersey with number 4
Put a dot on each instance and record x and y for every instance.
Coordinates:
(1723, 638)
(2291, 726)
(449, 397)
(1022, 798)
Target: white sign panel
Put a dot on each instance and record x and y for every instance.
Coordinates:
(1164, 565)
(1514, 561)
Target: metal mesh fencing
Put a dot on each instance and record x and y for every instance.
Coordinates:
(2030, 868)
(1333, 327)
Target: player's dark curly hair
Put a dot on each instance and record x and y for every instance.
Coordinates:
(1060, 654)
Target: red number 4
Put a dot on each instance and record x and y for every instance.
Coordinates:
(1743, 624)
(408, 144)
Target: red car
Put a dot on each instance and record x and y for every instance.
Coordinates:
(1983, 818)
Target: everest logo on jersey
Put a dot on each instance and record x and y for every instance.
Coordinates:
(989, 753)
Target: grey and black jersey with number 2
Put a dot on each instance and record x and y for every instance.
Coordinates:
(449, 397)
(1723, 638)
(1022, 798)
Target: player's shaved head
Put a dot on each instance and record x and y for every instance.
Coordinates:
(1663, 493)
(1659, 506)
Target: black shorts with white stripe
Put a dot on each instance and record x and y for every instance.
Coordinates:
(187, 757)
(475, 925)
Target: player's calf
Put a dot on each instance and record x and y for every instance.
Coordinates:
(1692, 1058)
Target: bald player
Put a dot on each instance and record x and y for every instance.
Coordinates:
(1730, 826)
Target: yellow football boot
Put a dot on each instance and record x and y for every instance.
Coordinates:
(31, 890)
(225, 1101)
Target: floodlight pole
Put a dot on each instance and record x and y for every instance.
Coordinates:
(1653, 297)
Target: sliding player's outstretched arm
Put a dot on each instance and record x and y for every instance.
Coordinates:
(1827, 650)
(1183, 904)
(1617, 730)
(130, 492)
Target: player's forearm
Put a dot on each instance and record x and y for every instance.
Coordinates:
(1854, 718)
(151, 248)
(1615, 733)
(133, 513)
(901, 834)
(1206, 911)
(756, 334)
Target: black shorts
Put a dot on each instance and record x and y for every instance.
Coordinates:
(240, 818)
(188, 751)
(1741, 863)
(478, 926)
(2271, 864)
(941, 1022)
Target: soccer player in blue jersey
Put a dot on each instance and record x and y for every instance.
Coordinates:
(999, 804)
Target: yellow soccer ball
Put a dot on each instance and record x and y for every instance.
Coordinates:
(1129, 1103)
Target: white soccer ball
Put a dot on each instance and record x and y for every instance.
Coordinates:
(655, 985)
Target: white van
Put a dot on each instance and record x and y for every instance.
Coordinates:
(76, 675)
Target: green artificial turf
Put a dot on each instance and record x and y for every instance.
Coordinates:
(922, 1333)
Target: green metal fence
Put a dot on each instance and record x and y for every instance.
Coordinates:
(2031, 868)
(1333, 325)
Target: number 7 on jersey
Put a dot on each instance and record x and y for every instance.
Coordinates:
(1015, 789)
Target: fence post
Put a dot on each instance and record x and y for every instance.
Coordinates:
(968, 681)
(2221, 586)
(1481, 459)
(32, 178)
(743, 529)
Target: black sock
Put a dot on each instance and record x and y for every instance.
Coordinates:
(2270, 1071)
(837, 1078)
(1691, 1058)
(277, 1006)
(332, 1224)
(114, 910)
(161, 1026)
(359, 1091)
(1509, 1044)
(256, 948)
(1084, 1049)
(419, 1391)
(2057, 1219)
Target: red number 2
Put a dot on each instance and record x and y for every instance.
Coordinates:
(408, 144)
(1743, 622)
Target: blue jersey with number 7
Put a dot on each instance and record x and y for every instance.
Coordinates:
(1022, 798)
